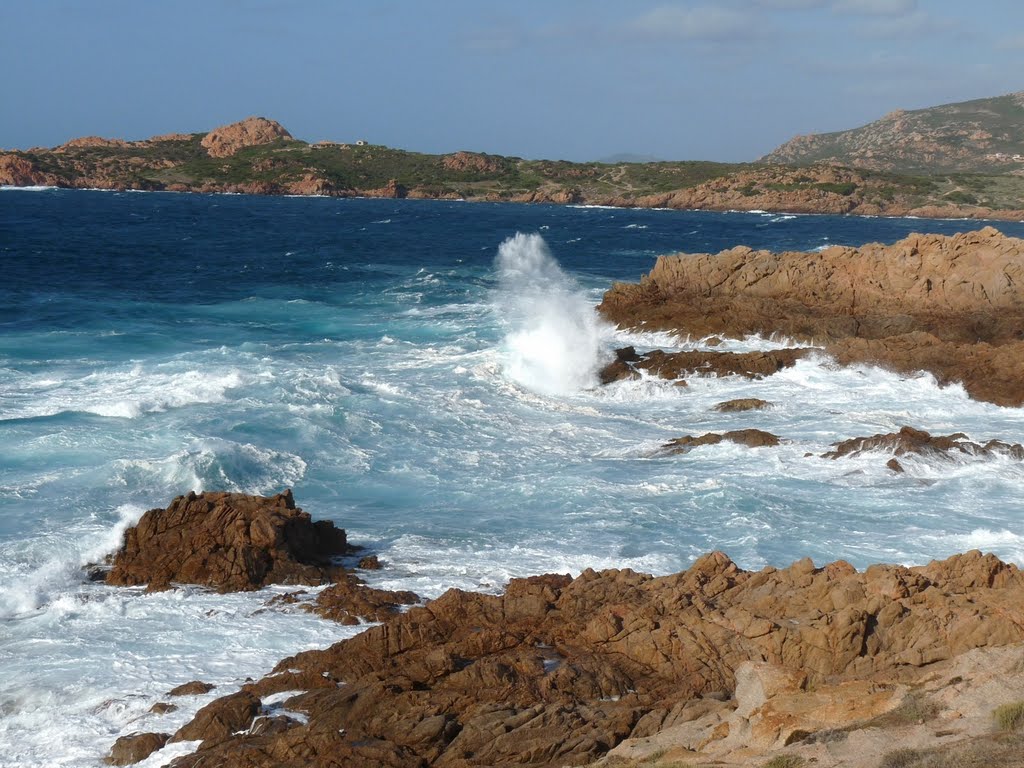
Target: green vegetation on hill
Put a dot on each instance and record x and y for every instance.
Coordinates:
(979, 136)
(280, 164)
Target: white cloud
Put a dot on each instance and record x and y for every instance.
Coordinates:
(876, 7)
(708, 23)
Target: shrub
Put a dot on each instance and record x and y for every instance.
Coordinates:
(785, 761)
(1009, 717)
(901, 758)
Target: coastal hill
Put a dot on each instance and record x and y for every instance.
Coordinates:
(259, 156)
(977, 136)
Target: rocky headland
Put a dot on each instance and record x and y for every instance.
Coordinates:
(713, 665)
(259, 156)
(952, 306)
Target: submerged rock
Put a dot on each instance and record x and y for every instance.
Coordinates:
(742, 404)
(752, 438)
(229, 542)
(910, 440)
(673, 365)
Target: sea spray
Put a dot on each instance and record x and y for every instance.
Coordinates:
(554, 344)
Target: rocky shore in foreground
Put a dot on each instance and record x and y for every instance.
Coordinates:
(713, 665)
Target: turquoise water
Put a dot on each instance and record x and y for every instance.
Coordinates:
(421, 375)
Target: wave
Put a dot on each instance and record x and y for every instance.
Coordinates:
(26, 593)
(123, 394)
(554, 344)
(32, 188)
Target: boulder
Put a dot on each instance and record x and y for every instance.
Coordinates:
(135, 747)
(742, 404)
(221, 719)
(752, 438)
(194, 688)
(253, 131)
(228, 542)
(349, 601)
(910, 440)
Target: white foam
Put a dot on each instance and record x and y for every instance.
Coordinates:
(28, 592)
(30, 188)
(125, 393)
(554, 342)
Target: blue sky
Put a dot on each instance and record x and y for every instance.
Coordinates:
(576, 79)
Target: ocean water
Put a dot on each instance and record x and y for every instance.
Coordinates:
(422, 373)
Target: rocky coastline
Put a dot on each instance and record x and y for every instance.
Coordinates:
(824, 665)
(259, 156)
(952, 306)
(713, 665)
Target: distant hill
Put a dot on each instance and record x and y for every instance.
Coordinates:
(259, 156)
(978, 136)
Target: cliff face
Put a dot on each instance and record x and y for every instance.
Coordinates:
(950, 305)
(983, 134)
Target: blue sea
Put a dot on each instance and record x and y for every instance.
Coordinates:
(422, 374)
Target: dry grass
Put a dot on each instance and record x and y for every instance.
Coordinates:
(1009, 717)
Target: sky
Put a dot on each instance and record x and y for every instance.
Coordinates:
(578, 80)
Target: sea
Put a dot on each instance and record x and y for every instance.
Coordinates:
(423, 374)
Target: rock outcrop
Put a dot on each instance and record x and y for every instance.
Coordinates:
(558, 671)
(741, 404)
(752, 438)
(18, 171)
(253, 131)
(228, 542)
(910, 440)
(472, 162)
(135, 747)
(674, 365)
(951, 305)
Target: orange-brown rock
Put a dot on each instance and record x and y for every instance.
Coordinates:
(220, 719)
(88, 142)
(910, 440)
(951, 305)
(17, 171)
(674, 365)
(349, 601)
(752, 438)
(471, 162)
(135, 747)
(741, 404)
(991, 372)
(557, 671)
(228, 139)
(228, 541)
(193, 688)
(392, 190)
(310, 184)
